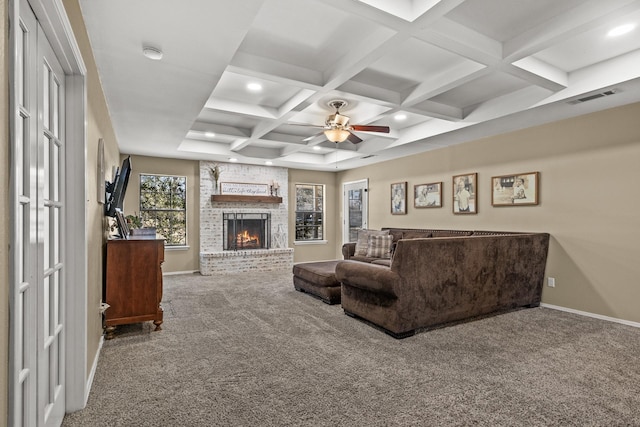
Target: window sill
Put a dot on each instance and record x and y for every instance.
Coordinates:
(310, 242)
(176, 248)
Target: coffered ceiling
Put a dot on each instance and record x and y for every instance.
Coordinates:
(437, 72)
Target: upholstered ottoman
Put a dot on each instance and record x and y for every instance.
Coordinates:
(318, 279)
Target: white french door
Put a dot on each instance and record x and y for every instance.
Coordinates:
(355, 208)
(37, 357)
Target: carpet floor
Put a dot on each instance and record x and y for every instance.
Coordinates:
(248, 350)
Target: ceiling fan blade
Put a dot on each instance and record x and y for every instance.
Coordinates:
(383, 129)
(353, 138)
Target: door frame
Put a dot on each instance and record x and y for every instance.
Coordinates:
(56, 26)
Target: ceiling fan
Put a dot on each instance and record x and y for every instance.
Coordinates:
(337, 128)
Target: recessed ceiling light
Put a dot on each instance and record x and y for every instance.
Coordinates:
(152, 53)
(315, 147)
(254, 87)
(400, 117)
(620, 30)
(210, 134)
(233, 159)
(268, 163)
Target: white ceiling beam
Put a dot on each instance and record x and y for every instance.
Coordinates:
(364, 53)
(463, 41)
(504, 105)
(219, 129)
(239, 144)
(539, 73)
(437, 84)
(436, 110)
(204, 147)
(296, 103)
(241, 108)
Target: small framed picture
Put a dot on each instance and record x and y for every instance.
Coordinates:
(427, 195)
(515, 190)
(399, 198)
(464, 194)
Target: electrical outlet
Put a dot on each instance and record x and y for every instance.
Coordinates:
(551, 282)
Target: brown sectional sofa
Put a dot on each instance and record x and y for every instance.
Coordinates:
(452, 276)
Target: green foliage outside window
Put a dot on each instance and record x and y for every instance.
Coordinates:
(309, 212)
(163, 205)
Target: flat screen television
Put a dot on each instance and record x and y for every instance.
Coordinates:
(116, 190)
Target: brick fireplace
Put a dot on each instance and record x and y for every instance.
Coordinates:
(224, 248)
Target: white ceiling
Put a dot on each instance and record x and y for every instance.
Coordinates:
(458, 69)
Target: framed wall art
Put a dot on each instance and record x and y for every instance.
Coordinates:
(465, 193)
(399, 198)
(427, 195)
(515, 190)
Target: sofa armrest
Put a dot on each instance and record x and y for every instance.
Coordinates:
(369, 277)
(348, 250)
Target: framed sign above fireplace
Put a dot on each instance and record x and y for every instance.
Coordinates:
(244, 189)
(245, 192)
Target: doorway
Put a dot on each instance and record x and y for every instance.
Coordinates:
(355, 209)
(47, 219)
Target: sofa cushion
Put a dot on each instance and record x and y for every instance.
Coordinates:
(362, 244)
(379, 246)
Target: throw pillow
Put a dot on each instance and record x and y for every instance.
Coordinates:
(380, 246)
(362, 244)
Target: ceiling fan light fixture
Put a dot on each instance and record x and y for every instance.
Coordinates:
(337, 135)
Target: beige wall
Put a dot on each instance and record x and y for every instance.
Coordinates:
(4, 211)
(314, 252)
(588, 201)
(98, 126)
(176, 260)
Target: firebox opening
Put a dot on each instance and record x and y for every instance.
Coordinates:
(245, 231)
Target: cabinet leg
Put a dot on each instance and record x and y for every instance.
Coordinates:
(110, 330)
(157, 323)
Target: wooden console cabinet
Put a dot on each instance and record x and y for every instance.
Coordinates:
(133, 283)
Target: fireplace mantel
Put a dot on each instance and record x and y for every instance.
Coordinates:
(251, 199)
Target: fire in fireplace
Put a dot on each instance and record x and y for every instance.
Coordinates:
(244, 231)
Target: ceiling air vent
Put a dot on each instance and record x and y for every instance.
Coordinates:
(594, 96)
(369, 156)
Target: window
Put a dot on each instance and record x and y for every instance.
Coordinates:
(163, 204)
(309, 212)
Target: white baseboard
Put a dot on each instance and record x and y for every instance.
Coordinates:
(92, 373)
(175, 273)
(597, 316)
